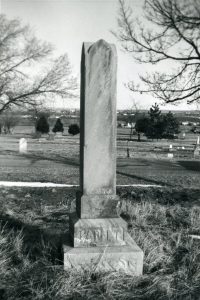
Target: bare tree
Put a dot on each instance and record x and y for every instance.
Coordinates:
(28, 72)
(137, 115)
(37, 111)
(171, 33)
(8, 121)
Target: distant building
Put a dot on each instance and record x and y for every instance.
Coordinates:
(130, 125)
(185, 123)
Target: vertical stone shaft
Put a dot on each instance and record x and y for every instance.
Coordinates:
(98, 126)
(98, 118)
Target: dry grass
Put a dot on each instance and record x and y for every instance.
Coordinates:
(30, 263)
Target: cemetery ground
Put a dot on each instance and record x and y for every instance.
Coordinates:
(161, 219)
(58, 160)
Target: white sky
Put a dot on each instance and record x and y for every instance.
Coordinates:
(69, 23)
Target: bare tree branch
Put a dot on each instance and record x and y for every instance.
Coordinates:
(28, 72)
(171, 33)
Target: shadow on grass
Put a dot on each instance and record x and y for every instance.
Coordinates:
(144, 180)
(37, 241)
(9, 152)
(125, 138)
(190, 165)
(58, 159)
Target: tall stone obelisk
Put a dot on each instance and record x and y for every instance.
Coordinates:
(96, 228)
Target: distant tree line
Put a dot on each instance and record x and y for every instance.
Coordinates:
(156, 125)
(42, 126)
(8, 121)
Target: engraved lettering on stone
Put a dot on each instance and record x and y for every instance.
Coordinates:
(107, 265)
(132, 266)
(115, 234)
(91, 234)
(122, 264)
(98, 235)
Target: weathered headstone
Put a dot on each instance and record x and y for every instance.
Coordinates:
(99, 236)
(196, 152)
(51, 137)
(197, 148)
(22, 145)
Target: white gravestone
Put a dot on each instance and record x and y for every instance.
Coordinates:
(22, 145)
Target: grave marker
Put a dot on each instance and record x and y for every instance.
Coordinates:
(22, 145)
(99, 236)
(197, 148)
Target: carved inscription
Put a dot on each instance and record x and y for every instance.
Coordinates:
(93, 234)
(99, 236)
(122, 264)
(88, 236)
(128, 266)
(115, 234)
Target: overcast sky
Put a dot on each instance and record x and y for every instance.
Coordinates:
(69, 23)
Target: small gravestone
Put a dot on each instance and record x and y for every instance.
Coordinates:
(196, 152)
(22, 145)
(51, 137)
(170, 148)
(197, 148)
(100, 239)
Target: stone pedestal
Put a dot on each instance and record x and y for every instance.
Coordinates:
(97, 232)
(98, 236)
(101, 244)
(126, 258)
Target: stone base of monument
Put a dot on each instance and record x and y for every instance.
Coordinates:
(102, 245)
(127, 258)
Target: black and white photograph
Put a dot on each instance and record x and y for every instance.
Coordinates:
(99, 150)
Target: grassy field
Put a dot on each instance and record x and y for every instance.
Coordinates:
(58, 161)
(34, 221)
